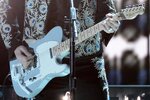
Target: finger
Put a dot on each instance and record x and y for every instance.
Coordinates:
(31, 58)
(20, 56)
(106, 26)
(113, 24)
(23, 58)
(26, 64)
(113, 16)
(23, 61)
(110, 27)
(109, 15)
(25, 51)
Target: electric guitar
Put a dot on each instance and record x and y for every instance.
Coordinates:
(31, 81)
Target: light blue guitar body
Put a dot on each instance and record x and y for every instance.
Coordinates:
(30, 82)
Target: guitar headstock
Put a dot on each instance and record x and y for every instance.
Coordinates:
(132, 12)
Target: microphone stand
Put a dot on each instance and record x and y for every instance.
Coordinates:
(72, 78)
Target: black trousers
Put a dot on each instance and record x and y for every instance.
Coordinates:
(88, 85)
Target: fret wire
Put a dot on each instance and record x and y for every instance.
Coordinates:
(64, 43)
(58, 49)
(80, 39)
(80, 36)
(67, 43)
(93, 31)
(87, 34)
(77, 41)
(99, 26)
(96, 29)
(62, 46)
(84, 35)
(89, 31)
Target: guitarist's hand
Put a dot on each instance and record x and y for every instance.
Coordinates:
(111, 23)
(24, 56)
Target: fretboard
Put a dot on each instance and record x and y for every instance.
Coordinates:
(64, 46)
(128, 13)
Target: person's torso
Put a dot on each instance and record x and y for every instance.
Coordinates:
(36, 12)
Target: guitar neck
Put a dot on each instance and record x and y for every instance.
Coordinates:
(90, 32)
(125, 14)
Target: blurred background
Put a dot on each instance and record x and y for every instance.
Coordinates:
(130, 93)
(127, 57)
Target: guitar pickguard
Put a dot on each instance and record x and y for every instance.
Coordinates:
(29, 82)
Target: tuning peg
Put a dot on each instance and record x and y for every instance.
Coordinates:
(127, 6)
(130, 6)
(122, 10)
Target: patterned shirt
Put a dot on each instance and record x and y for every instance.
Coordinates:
(5, 28)
(35, 16)
(34, 24)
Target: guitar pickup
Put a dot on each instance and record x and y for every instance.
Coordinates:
(32, 79)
